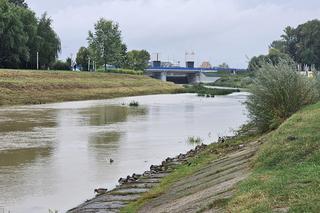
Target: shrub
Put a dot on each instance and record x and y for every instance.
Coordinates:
(194, 140)
(277, 92)
(246, 82)
(134, 104)
(60, 65)
(209, 92)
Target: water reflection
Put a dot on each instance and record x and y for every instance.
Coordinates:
(99, 116)
(20, 157)
(53, 156)
(25, 120)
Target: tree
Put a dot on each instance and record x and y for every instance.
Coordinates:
(30, 27)
(122, 57)
(61, 65)
(137, 59)
(274, 56)
(13, 37)
(302, 44)
(20, 3)
(224, 65)
(22, 35)
(106, 44)
(49, 42)
(83, 58)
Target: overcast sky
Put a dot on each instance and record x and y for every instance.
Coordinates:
(216, 30)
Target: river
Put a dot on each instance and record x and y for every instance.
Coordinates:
(53, 156)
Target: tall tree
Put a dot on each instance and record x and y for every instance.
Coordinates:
(302, 44)
(106, 44)
(137, 60)
(49, 42)
(30, 27)
(13, 38)
(20, 3)
(83, 58)
(22, 35)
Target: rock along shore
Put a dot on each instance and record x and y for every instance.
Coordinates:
(132, 187)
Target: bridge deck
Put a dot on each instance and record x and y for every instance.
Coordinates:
(188, 70)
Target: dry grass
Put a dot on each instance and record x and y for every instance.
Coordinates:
(38, 87)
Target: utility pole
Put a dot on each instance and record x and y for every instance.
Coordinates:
(89, 64)
(37, 60)
(71, 64)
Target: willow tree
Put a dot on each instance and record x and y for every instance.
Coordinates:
(13, 36)
(48, 43)
(22, 35)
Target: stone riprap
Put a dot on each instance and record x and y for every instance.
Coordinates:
(132, 187)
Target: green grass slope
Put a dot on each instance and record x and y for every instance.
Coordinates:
(286, 171)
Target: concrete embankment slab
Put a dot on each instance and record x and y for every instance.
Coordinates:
(194, 193)
(209, 185)
(132, 187)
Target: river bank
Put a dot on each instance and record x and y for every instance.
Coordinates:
(275, 172)
(181, 183)
(38, 87)
(279, 172)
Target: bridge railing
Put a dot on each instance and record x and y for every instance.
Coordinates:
(194, 69)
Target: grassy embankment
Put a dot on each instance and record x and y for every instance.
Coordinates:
(38, 87)
(285, 172)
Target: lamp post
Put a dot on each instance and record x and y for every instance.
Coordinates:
(89, 64)
(37, 60)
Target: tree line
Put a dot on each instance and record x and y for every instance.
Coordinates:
(105, 47)
(23, 36)
(26, 40)
(300, 44)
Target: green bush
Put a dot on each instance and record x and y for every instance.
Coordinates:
(209, 92)
(134, 104)
(246, 82)
(278, 92)
(60, 65)
(236, 81)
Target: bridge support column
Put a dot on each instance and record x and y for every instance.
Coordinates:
(163, 76)
(194, 78)
(160, 75)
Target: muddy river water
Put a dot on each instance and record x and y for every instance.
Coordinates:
(53, 156)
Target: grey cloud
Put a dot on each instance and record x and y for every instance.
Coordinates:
(216, 30)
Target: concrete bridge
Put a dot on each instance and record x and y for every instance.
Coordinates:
(187, 75)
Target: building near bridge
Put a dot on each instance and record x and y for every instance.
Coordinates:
(206, 65)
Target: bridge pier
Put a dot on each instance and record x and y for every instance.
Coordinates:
(160, 75)
(194, 78)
